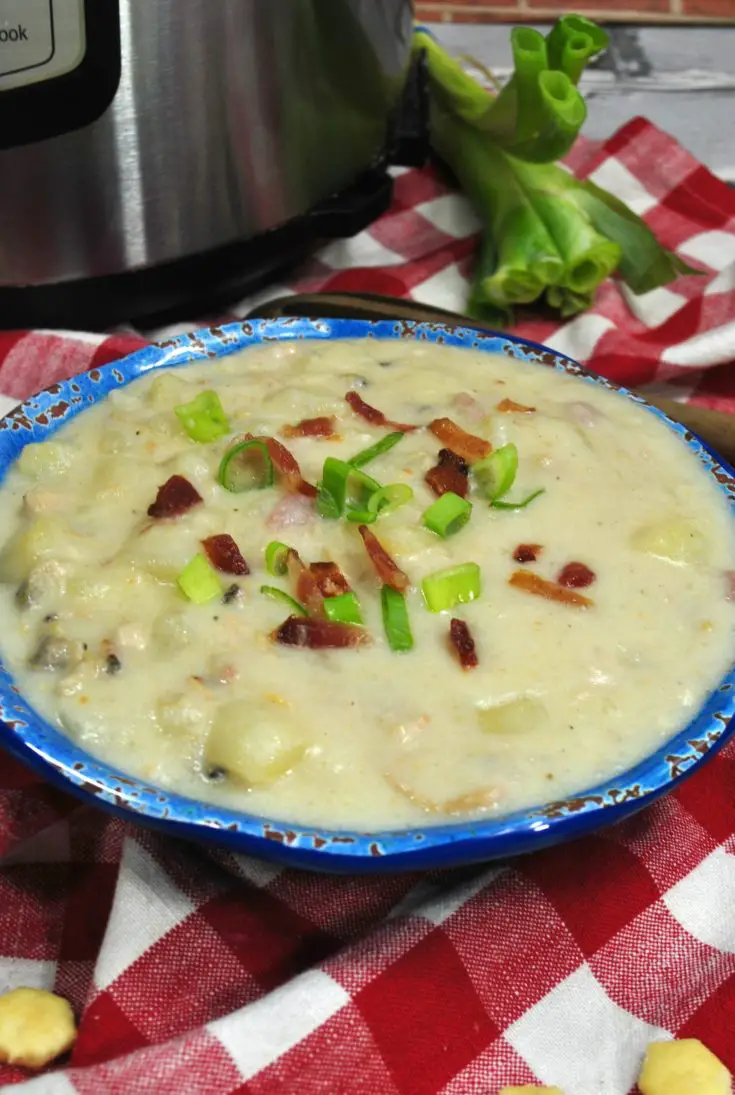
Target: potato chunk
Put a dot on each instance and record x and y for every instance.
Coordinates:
(44, 538)
(253, 745)
(676, 541)
(47, 460)
(172, 632)
(682, 1068)
(167, 390)
(163, 550)
(514, 717)
(35, 1027)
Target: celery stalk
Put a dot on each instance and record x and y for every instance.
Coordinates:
(515, 110)
(561, 115)
(572, 42)
(452, 86)
(588, 256)
(539, 113)
(644, 263)
(546, 232)
(478, 306)
(566, 302)
(527, 259)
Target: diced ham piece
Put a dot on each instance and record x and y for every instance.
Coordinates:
(389, 572)
(451, 473)
(464, 444)
(509, 406)
(527, 553)
(319, 634)
(730, 585)
(286, 465)
(294, 509)
(469, 406)
(373, 415)
(311, 427)
(176, 496)
(529, 582)
(463, 644)
(576, 576)
(224, 554)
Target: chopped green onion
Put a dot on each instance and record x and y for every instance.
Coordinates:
(345, 609)
(497, 472)
(326, 504)
(448, 514)
(496, 475)
(384, 445)
(198, 581)
(203, 418)
(361, 516)
(246, 465)
(276, 555)
(395, 620)
(456, 585)
(389, 499)
(519, 505)
(277, 594)
(343, 485)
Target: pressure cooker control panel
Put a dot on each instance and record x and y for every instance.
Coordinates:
(39, 39)
(59, 66)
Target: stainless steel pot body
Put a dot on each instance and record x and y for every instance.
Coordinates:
(231, 117)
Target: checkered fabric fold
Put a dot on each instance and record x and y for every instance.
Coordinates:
(195, 972)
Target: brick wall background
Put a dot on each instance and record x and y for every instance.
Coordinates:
(519, 11)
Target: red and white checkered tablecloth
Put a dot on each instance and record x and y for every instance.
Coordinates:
(195, 973)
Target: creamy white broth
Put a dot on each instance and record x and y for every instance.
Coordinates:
(562, 697)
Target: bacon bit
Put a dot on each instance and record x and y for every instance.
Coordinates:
(576, 576)
(527, 553)
(529, 582)
(373, 415)
(317, 581)
(286, 465)
(463, 644)
(451, 473)
(176, 496)
(317, 634)
(294, 566)
(388, 571)
(464, 444)
(294, 509)
(311, 427)
(330, 579)
(509, 405)
(224, 554)
(306, 590)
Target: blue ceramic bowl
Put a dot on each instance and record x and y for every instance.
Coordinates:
(38, 744)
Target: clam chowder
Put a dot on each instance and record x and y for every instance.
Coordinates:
(366, 584)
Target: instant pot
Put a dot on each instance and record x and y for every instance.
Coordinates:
(157, 155)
